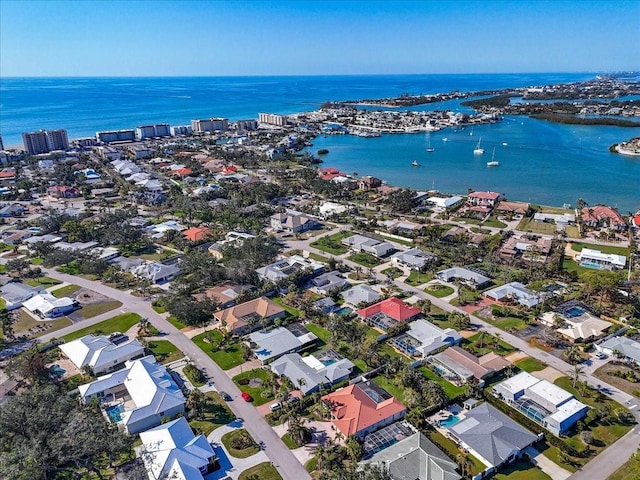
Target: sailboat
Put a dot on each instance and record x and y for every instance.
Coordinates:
(478, 150)
(415, 163)
(430, 149)
(493, 162)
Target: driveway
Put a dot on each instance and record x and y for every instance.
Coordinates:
(230, 465)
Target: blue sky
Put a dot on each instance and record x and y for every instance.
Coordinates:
(176, 38)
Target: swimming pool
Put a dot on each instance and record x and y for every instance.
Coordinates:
(344, 311)
(57, 370)
(574, 312)
(449, 422)
(597, 266)
(114, 412)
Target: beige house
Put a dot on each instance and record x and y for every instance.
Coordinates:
(242, 319)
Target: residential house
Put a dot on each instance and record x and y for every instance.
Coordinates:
(63, 191)
(369, 183)
(225, 293)
(402, 227)
(328, 282)
(292, 222)
(309, 373)
(360, 294)
(246, 317)
(517, 209)
(423, 338)
(443, 203)
(385, 314)
(491, 436)
(562, 221)
(601, 216)
(362, 408)
(514, 291)
(414, 258)
(157, 272)
(362, 243)
(327, 209)
(15, 294)
(159, 229)
(517, 247)
(473, 278)
(138, 397)
(12, 210)
(542, 401)
(172, 450)
(45, 305)
(597, 260)
(272, 344)
(286, 267)
(621, 347)
(574, 321)
(461, 367)
(102, 354)
(196, 234)
(484, 199)
(231, 238)
(411, 457)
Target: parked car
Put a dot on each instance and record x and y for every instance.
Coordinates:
(275, 406)
(246, 397)
(225, 396)
(600, 355)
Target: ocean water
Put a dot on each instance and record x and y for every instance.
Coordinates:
(543, 162)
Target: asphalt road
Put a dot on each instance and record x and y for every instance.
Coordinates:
(277, 452)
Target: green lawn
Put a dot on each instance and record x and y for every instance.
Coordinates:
(530, 365)
(389, 386)
(44, 281)
(418, 278)
(521, 470)
(95, 309)
(119, 323)
(228, 358)
(392, 272)
(578, 246)
(216, 414)
(263, 471)
(36, 260)
(494, 222)
(173, 320)
(629, 471)
(294, 312)
(452, 391)
(318, 258)
(452, 450)
(26, 322)
(255, 392)
(165, 351)
(288, 441)
(65, 291)
(332, 244)
(439, 291)
(365, 259)
(488, 341)
(245, 452)
(158, 308)
(571, 265)
(322, 333)
(528, 225)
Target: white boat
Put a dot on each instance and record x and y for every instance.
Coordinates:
(430, 149)
(415, 163)
(445, 139)
(471, 132)
(504, 144)
(493, 162)
(478, 150)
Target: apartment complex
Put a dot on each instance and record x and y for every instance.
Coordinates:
(210, 125)
(45, 141)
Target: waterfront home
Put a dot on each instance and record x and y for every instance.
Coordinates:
(491, 436)
(286, 267)
(460, 367)
(363, 408)
(562, 221)
(473, 278)
(15, 294)
(484, 199)
(383, 315)
(408, 455)
(327, 209)
(514, 291)
(137, 397)
(414, 258)
(621, 347)
(520, 247)
(102, 354)
(360, 294)
(268, 345)
(248, 316)
(542, 401)
(309, 373)
(443, 203)
(601, 216)
(362, 243)
(172, 450)
(423, 338)
(292, 222)
(574, 321)
(369, 183)
(45, 305)
(597, 260)
(517, 209)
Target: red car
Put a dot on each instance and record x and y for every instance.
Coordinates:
(246, 397)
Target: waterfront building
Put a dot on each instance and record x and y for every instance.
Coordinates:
(272, 119)
(210, 125)
(601, 216)
(57, 139)
(111, 136)
(151, 131)
(247, 125)
(45, 141)
(591, 258)
(181, 130)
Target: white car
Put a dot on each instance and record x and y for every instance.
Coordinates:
(600, 355)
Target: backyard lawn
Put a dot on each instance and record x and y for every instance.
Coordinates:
(332, 243)
(291, 311)
(322, 333)
(165, 351)
(530, 365)
(578, 246)
(65, 291)
(260, 376)
(229, 356)
(452, 391)
(365, 259)
(263, 471)
(95, 309)
(119, 323)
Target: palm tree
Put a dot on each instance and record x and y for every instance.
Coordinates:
(481, 338)
(576, 375)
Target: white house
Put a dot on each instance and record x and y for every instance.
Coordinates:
(46, 305)
(362, 243)
(172, 451)
(514, 290)
(157, 272)
(137, 397)
(15, 294)
(101, 353)
(600, 261)
(629, 349)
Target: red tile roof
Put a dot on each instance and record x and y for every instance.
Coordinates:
(196, 234)
(600, 212)
(183, 172)
(392, 307)
(354, 411)
(485, 195)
